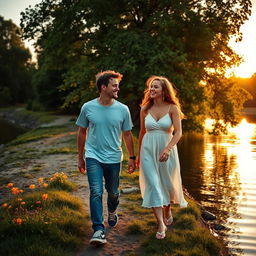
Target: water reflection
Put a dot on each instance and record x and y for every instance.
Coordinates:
(8, 131)
(220, 173)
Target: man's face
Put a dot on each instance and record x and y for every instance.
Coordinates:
(112, 89)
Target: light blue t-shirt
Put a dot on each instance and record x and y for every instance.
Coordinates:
(105, 125)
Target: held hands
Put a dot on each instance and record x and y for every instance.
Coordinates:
(81, 166)
(131, 166)
(138, 163)
(164, 155)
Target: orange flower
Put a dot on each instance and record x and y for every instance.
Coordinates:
(32, 186)
(9, 207)
(17, 221)
(20, 191)
(38, 202)
(14, 191)
(45, 185)
(23, 203)
(4, 205)
(44, 196)
(10, 185)
(40, 180)
(19, 199)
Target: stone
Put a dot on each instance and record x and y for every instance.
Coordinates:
(208, 216)
(129, 190)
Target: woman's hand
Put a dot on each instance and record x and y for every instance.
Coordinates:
(164, 155)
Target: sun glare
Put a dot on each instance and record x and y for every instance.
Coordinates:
(246, 49)
(245, 70)
(244, 131)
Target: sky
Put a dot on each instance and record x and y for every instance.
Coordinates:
(10, 9)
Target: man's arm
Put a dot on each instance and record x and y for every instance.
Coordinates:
(81, 138)
(128, 139)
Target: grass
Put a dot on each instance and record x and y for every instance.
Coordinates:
(46, 222)
(62, 150)
(41, 116)
(38, 134)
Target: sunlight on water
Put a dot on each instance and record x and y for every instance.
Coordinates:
(230, 161)
(244, 131)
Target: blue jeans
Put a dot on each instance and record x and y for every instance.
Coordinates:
(95, 173)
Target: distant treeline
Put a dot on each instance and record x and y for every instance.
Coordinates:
(187, 41)
(248, 84)
(15, 68)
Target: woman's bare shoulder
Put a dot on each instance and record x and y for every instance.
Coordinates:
(143, 110)
(173, 108)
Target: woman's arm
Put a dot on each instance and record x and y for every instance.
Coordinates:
(176, 120)
(142, 133)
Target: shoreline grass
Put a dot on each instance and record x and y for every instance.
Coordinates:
(46, 221)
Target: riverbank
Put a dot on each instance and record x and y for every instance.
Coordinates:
(52, 148)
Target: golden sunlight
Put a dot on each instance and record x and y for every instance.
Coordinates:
(243, 150)
(245, 70)
(246, 49)
(243, 131)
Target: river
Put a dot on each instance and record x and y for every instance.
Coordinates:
(220, 173)
(8, 131)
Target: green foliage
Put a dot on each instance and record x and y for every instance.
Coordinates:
(225, 99)
(15, 66)
(187, 41)
(249, 84)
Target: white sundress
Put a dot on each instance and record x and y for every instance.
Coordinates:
(160, 182)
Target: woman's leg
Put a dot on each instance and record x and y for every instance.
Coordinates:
(158, 212)
(168, 219)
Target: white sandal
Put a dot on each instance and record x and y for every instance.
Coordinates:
(168, 222)
(161, 235)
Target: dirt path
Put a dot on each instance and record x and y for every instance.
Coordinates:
(23, 164)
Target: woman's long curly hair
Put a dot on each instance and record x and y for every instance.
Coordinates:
(169, 93)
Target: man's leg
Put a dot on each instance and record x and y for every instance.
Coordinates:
(111, 175)
(95, 179)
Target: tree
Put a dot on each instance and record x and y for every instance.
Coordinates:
(187, 41)
(15, 68)
(249, 84)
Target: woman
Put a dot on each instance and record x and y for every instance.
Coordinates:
(160, 130)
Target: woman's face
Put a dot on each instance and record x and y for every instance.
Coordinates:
(156, 90)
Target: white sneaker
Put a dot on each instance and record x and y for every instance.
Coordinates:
(98, 238)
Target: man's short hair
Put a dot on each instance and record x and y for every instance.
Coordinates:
(102, 78)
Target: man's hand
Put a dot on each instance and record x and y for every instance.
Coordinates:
(138, 163)
(81, 166)
(131, 166)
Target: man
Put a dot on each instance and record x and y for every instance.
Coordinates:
(102, 122)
